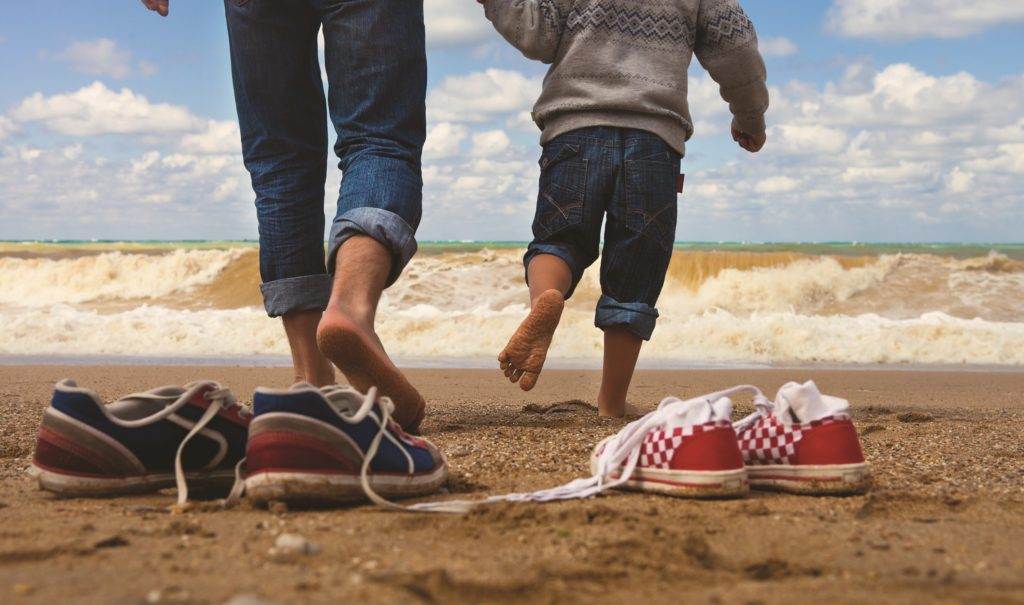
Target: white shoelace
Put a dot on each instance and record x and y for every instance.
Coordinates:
(335, 393)
(620, 455)
(220, 398)
(763, 407)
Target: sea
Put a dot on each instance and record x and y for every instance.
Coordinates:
(724, 304)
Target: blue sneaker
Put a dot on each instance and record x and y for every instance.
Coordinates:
(142, 442)
(335, 445)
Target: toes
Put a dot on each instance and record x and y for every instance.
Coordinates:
(504, 365)
(503, 357)
(528, 381)
(517, 375)
(509, 370)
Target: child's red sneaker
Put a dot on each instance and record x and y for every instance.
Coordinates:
(803, 443)
(692, 453)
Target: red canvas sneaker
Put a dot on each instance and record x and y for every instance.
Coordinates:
(803, 443)
(688, 450)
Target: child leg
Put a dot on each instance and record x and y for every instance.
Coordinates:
(548, 272)
(523, 357)
(638, 237)
(567, 232)
(621, 350)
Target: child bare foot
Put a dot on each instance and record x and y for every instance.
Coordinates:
(357, 352)
(524, 355)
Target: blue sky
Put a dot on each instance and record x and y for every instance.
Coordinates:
(895, 120)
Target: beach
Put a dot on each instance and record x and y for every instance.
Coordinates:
(942, 524)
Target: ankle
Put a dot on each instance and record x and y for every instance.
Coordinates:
(611, 408)
(319, 373)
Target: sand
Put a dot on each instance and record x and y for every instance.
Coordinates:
(945, 522)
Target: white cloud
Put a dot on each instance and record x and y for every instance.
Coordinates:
(777, 184)
(6, 127)
(801, 139)
(892, 153)
(113, 198)
(959, 181)
(777, 47)
(482, 95)
(490, 143)
(219, 136)
(96, 109)
(452, 23)
(444, 140)
(99, 57)
(907, 19)
(147, 68)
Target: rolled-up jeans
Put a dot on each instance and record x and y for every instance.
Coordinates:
(624, 179)
(375, 64)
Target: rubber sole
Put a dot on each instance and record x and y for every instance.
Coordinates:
(688, 484)
(812, 480)
(314, 488)
(72, 486)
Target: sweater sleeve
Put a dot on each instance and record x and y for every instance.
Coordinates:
(533, 26)
(726, 46)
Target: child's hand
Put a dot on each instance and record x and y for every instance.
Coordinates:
(751, 142)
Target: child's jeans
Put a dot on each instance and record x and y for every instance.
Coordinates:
(376, 65)
(630, 175)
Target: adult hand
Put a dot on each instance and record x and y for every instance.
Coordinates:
(159, 6)
(751, 142)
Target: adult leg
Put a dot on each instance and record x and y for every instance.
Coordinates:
(376, 67)
(281, 115)
(639, 235)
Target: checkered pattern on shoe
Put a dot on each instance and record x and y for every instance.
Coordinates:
(660, 445)
(769, 441)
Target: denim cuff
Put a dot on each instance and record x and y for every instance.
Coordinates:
(637, 317)
(561, 252)
(303, 293)
(382, 225)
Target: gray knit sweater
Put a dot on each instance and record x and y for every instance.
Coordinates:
(624, 62)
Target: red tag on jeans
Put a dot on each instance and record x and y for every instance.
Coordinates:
(679, 183)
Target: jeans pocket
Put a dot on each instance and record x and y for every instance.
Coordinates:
(563, 180)
(650, 197)
(239, 2)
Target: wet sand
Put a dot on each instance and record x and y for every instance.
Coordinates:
(945, 522)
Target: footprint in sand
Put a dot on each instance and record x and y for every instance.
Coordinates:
(524, 355)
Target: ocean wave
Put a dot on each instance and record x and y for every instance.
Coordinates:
(44, 281)
(426, 331)
(716, 306)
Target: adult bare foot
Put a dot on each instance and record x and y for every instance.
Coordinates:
(524, 355)
(357, 352)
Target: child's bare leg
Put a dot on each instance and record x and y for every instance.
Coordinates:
(524, 355)
(621, 350)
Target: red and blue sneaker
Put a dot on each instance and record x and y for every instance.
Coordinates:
(335, 445)
(142, 442)
(803, 443)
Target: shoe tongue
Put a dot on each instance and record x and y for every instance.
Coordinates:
(343, 399)
(805, 403)
(140, 405)
(699, 411)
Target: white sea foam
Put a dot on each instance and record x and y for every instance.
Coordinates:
(425, 331)
(111, 275)
(762, 307)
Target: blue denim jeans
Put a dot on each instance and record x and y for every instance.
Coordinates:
(377, 73)
(629, 178)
